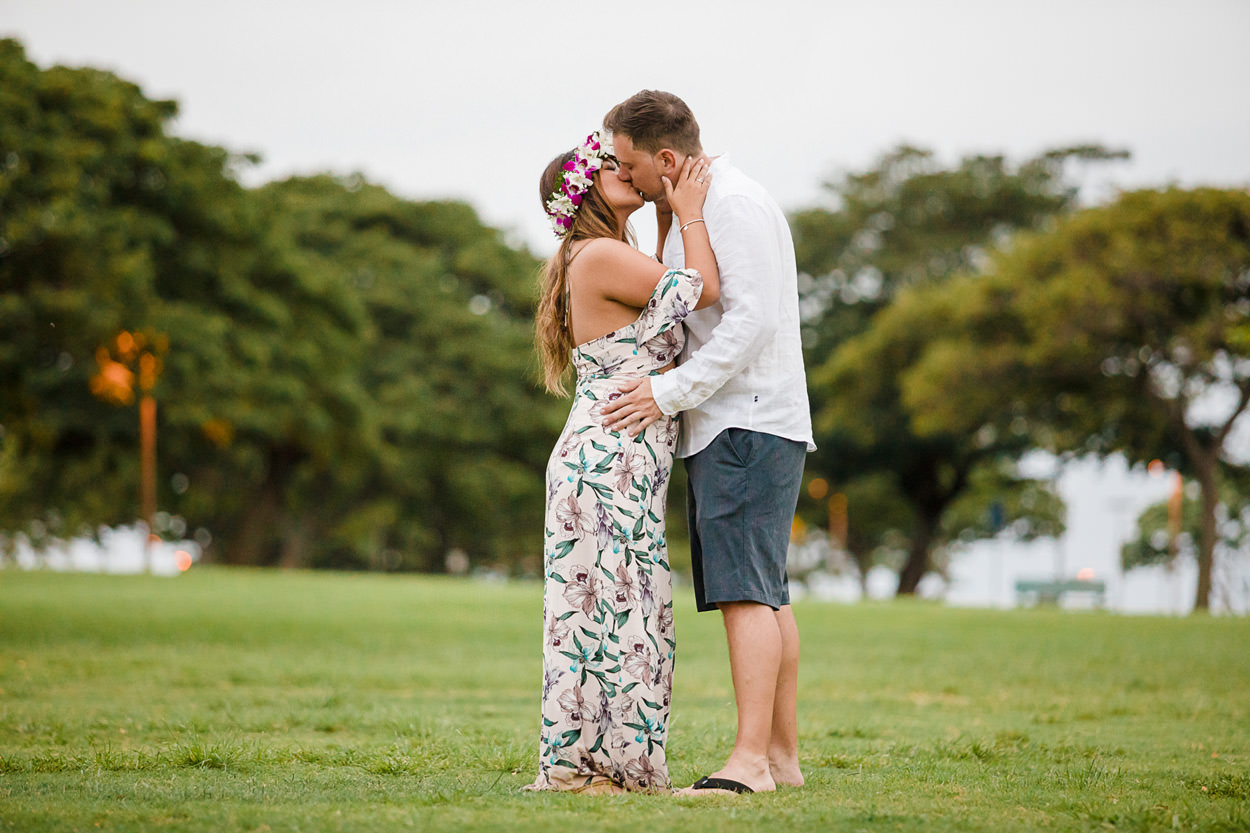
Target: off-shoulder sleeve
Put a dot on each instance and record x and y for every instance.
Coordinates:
(674, 298)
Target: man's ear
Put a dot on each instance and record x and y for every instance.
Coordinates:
(666, 162)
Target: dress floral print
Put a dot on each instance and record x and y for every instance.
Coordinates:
(608, 641)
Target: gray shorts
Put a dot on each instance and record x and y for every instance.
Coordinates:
(742, 492)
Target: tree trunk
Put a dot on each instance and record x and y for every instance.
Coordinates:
(296, 544)
(1204, 456)
(929, 493)
(1206, 472)
(255, 539)
(863, 563)
(923, 532)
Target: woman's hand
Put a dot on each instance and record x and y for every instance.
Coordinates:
(687, 195)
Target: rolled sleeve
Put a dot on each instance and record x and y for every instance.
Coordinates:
(748, 260)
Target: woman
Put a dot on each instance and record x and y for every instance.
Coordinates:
(611, 313)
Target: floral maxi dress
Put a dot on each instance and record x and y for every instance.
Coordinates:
(608, 607)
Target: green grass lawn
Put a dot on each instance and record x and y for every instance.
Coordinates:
(229, 700)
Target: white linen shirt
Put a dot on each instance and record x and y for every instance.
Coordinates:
(742, 365)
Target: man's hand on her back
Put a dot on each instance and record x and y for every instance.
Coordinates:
(634, 409)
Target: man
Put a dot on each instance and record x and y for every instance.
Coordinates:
(746, 427)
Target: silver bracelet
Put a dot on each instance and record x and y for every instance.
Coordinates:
(691, 223)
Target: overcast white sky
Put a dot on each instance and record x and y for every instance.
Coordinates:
(469, 99)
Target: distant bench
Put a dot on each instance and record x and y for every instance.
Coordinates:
(1034, 592)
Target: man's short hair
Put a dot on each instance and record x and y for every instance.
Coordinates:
(653, 120)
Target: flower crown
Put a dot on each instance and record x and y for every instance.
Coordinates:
(574, 180)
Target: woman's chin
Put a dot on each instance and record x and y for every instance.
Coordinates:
(626, 210)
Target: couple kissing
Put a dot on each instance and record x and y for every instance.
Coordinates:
(693, 353)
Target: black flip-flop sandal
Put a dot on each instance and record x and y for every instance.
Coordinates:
(706, 783)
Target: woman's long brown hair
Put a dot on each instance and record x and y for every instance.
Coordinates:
(553, 325)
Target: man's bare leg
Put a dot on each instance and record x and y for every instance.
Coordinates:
(755, 649)
(783, 747)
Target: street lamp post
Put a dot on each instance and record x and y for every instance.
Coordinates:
(149, 368)
(115, 383)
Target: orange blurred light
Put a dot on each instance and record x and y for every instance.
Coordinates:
(126, 345)
(818, 488)
(219, 432)
(1086, 574)
(114, 383)
(1155, 468)
(183, 560)
(150, 367)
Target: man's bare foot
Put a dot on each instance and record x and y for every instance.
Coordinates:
(787, 774)
(756, 778)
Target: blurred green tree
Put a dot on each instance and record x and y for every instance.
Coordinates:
(1161, 537)
(462, 430)
(931, 474)
(903, 228)
(87, 180)
(1157, 541)
(1126, 329)
(110, 225)
(346, 375)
